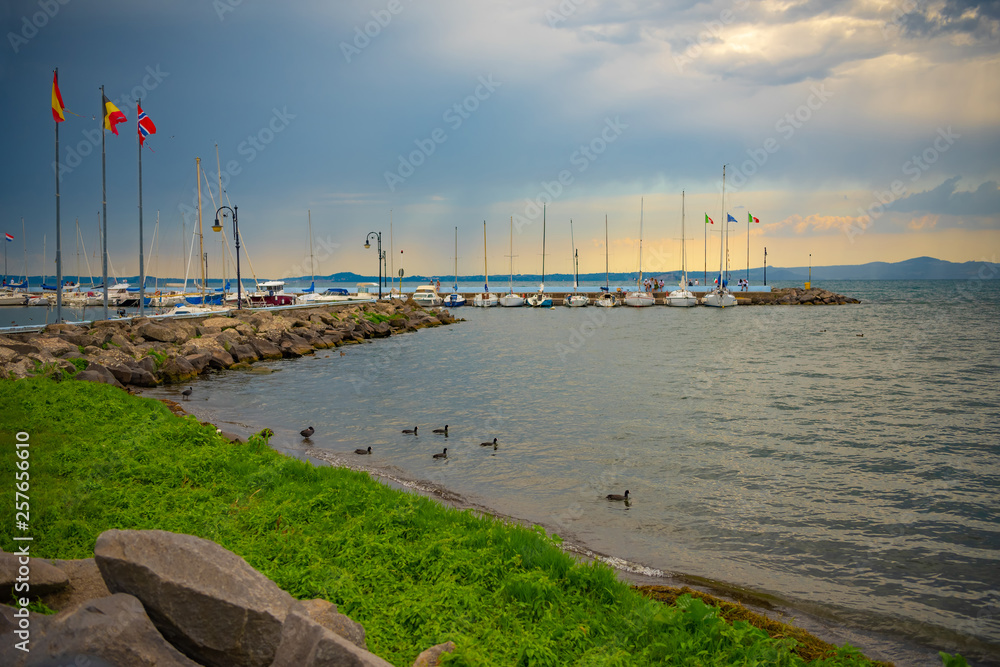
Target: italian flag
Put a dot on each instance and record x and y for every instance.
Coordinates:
(708, 220)
(750, 218)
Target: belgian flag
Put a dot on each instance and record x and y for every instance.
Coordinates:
(112, 116)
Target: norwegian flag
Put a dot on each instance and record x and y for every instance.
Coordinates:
(146, 126)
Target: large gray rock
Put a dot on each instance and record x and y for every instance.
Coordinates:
(110, 631)
(432, 656)
(157, 332)
(265, 348)
(325, 613)
(177, 369)
(42, 577)
(306, 642)
(143, 378)
(206, 600)
(98, 373)
(85, 584)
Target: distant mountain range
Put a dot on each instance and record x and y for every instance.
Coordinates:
(918, 268)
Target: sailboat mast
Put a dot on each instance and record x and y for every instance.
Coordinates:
(607, 275)
(721, 239)
(312, 264)
(572, 242)
(511, 254)
(201, 237)
(684, 273)
(456, 259)
(486, 268)
(542, 286)
(639, 284)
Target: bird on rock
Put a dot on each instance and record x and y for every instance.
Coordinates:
(617, 496)
(410, 430)
(442, 455)
(489, 444)
(441, 430)
(363, 451)
(307, 432)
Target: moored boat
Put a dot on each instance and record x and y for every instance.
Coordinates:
(682, 296)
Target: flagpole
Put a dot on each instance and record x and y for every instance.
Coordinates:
(104, 207)
(142, 270)
(58, 232)
(748, 253)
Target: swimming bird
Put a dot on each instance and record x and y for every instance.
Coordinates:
(187, 392)
(442, 455)
(306, 432)
(441, 430)
(363, 451)
(489, 444)
(616, 496)
(410, 430)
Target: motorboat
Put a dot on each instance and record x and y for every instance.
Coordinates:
(426, 295)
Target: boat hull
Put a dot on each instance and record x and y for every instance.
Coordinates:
(454, 300)
(540, 301)
(606, 301)
(576, 301)
(719, 299)
(681, 299)
(485, 300)
(511, 301)
(639, 299)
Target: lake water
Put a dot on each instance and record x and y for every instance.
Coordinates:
(843, 459)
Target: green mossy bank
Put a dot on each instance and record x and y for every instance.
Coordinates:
(413, 572)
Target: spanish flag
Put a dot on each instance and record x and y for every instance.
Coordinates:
(112, 116)
(57, 103)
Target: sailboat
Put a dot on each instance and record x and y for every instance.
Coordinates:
(639, 298)
(541, 300)
(511, 300)
(607, 299)
(682, 296)
(575, 300)
(485, 299)
(721, 297)
(454, 300)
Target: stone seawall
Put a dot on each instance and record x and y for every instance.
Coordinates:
(145, 352)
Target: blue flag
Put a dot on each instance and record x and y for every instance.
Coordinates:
(730, 218)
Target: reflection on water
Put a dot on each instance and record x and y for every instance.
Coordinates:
(842, 454)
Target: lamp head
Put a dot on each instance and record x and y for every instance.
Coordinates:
(367, 245)
(217, 227)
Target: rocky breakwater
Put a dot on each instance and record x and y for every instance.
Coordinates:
(795, 296)
(167, 599)
(145, 352)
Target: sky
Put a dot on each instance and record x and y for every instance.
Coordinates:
(853, 130)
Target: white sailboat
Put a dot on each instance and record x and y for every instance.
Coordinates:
(682, 296)
(541, 299)
(721, 297)
(575, 300)
(639, 298)
(485, 299)
(511, 300)
(455, 300)
(607, 299)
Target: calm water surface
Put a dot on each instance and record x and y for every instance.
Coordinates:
(846, 456)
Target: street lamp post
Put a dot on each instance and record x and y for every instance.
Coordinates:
(217, 227)
(381, 256)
